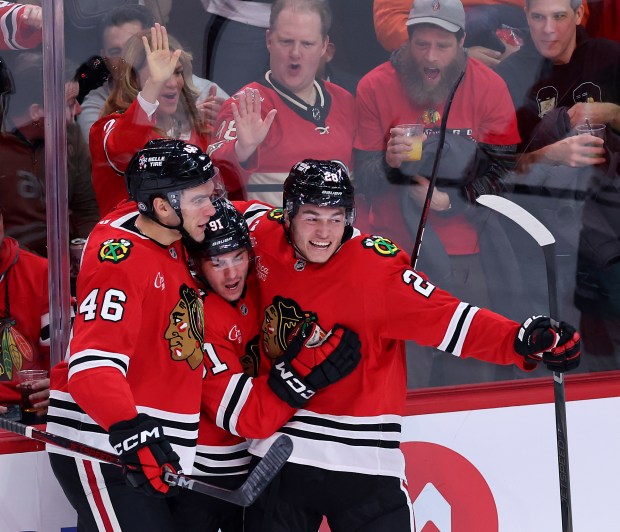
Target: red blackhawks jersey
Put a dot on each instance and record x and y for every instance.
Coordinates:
(137, 338)
(236, 401)
(15, 34)
(114, 140)
(369, 287)
(24, 323)
(299, 131)
(482, 110)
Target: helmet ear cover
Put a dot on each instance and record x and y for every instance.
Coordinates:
(320, 183)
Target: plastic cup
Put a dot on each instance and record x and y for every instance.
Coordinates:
(596, 130)
(26, 378)
(416, 132)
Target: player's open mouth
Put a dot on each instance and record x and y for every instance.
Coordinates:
(170, 97)
(320, 245)
(432, 73)
(294, 67)
(232, 286)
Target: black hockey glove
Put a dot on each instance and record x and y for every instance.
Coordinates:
(557, 345)
(314, 360)
(145, 453)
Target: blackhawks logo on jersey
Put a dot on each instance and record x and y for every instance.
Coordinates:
(114, 250)
(380, 245)
(15, 348)
(185, 332)
(280, 320)
(276, 214)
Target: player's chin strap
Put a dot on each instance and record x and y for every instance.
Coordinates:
(180, 227)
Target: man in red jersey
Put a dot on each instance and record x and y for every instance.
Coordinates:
(236, 401)
(464, 244)
(288, 114)
(134, 375)
(346, 463)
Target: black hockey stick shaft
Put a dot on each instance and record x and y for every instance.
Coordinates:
(431, 185)
(546, 241)
(559, 395)
(258, 479)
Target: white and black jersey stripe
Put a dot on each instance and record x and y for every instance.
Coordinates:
(8, 25)
(94, 358)
(458, 328)
(67, 419)
(368, 445)
(235, 397)
(218, 460)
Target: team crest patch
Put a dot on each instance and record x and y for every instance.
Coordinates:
(380, 245)
(114, 250)
(276, 214)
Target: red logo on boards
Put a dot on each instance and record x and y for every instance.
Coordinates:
(448, 493)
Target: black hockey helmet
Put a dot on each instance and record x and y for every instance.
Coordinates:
(321, 183)
(226, 231)
(164, 168)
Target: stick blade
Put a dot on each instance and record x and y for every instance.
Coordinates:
(266, 470)
(520, 216)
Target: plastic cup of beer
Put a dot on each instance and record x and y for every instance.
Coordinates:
(416, 132)
(26, 378)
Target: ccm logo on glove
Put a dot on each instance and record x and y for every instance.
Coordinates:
(294, 383)
(133, 441)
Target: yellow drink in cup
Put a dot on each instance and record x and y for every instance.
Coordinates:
(416, 133)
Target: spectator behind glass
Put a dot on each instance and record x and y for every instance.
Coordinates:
(115, 30)
(559, 80)
(154, 97)
(24, 321)
(20, 26)
(289, 114)
(234, 43)
(460, 249)
(483, 18)
(22, 187)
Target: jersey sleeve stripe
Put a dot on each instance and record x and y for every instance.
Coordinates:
(93, 358)
(457, 329)
(9, 28)
(232, 403)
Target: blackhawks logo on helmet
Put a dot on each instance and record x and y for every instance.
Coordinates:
(114, 250)
(380, 245)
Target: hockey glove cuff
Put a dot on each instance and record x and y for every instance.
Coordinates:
(145, 454)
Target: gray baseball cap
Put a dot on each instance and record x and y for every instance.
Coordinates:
(447, 14)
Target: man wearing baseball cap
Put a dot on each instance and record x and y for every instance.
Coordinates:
(413, 88)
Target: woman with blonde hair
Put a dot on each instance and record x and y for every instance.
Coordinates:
(153, 98)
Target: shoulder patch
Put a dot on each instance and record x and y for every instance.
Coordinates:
(380, 245)
(115, 250)
(276, 215)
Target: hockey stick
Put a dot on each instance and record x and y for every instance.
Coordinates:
(431, 185)
(546, 241)
(256, 482)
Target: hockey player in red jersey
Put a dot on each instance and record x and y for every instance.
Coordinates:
(346, 462)
(236, 402)
(135, 370)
